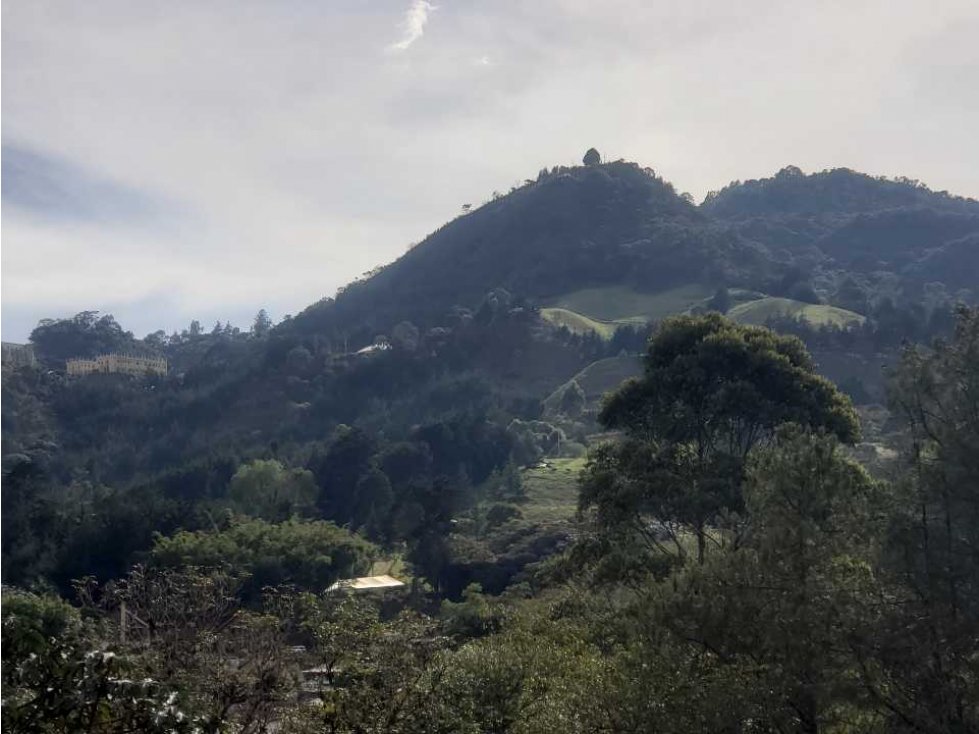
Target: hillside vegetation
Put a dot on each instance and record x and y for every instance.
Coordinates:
(614, 241)
(614, 224)
(595, 310)
(695, 549)
(622, 304)
(579, 323)
(764, 310)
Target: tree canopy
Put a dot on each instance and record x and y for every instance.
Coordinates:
(309, 554)
(711, 391)
(86, 334)
(267, 489)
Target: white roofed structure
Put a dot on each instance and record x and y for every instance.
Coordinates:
(367, 583)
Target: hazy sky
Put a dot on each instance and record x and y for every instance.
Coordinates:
(165, 161)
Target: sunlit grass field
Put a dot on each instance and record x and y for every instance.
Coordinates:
(624, 304)
(759, 311)
(580, 324)
(552, 490)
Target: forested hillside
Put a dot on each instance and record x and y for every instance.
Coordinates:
(837, 237)
(636, 460)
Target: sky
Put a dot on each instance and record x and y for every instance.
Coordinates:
(189, 159)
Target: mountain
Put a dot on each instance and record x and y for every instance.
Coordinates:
(842, 223)
(611, 224)
(617, 225)
(498, 308)
(832, 193)
(419, 392)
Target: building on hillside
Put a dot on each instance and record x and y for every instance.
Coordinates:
(381, 344)
(18, 355)
(367, 583)
(126, 364)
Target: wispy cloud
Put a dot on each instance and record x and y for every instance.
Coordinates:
(413, 26)
(290, 131)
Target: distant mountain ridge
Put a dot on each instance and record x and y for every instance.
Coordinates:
(539, 239)
(836, 191)
(618, 224)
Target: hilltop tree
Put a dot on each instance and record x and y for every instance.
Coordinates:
(85, 334)
(263, 324)
(592, 157)
(711, 391)
(157, 341)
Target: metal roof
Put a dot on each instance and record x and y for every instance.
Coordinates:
(367, 582)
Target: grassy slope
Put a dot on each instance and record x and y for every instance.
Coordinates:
(621, 303)
(758, 312)
(603, 310)
(578, 323)
(552, 492)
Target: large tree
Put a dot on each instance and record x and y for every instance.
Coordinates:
(710, 392)
(85, 334)
(758, 638)
(928, 646)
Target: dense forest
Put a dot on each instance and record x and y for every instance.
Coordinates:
(641, 466)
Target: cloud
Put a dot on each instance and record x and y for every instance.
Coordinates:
(286, 156)
(413, 26)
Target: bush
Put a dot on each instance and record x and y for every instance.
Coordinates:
(309, 554)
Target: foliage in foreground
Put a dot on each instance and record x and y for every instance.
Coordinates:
(829, 601)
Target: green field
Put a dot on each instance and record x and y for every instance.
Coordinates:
(603, 310)
(579, 324)
(759, 311)
(552, 491)
(623, 304)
